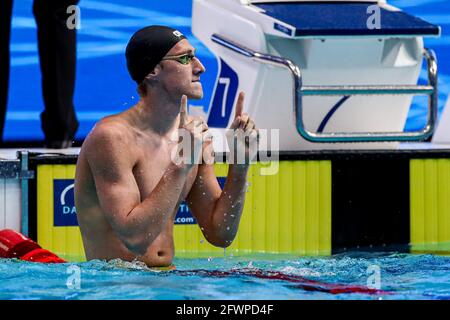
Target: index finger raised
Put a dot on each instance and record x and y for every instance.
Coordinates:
(183, 111)
(239, 105)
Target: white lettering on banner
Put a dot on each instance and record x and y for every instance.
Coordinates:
(69, 210)
(184, 220)
(63, 194)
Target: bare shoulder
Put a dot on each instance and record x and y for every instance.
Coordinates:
(110, 138)
(110, 127)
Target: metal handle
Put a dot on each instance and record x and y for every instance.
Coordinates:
(299, 91)
(24, 188)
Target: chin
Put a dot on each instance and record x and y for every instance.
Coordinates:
(195, 94)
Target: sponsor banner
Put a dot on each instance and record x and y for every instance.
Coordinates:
(184, 214)
(65, 214)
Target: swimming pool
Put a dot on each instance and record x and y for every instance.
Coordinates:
(400, 275)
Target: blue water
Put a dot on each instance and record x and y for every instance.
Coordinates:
(404, 276)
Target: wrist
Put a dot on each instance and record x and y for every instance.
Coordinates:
(180, 168)
(239, 168)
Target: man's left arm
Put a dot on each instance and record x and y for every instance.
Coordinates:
(217, 211)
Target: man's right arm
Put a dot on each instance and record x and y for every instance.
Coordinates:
(136, 222)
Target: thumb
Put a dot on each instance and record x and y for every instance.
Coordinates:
(235, 123)
(183, 111)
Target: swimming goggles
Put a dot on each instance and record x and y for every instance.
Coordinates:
(185, 58)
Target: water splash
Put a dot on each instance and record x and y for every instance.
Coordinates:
(253, 276)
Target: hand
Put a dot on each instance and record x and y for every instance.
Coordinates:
(194, 138)
(242, 136)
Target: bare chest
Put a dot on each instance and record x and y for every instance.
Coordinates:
(150, 167)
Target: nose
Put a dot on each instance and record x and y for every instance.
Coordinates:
(199, 68)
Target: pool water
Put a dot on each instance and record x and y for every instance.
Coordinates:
(272, 277)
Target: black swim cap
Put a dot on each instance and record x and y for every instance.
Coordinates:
(147, 47)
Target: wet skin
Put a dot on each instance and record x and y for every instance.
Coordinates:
(128, 189)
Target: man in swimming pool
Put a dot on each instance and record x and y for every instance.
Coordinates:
(128, 187)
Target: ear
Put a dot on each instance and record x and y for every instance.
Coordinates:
(153, 75)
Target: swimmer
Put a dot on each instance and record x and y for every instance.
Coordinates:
(127, 186)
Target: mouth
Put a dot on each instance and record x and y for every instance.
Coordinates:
(198, 80)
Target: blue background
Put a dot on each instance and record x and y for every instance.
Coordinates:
(61, 218)
(103, 86)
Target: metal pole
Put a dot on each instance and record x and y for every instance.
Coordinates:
(24, 176)
(298, 91)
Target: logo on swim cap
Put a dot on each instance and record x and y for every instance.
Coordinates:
(177, 33)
